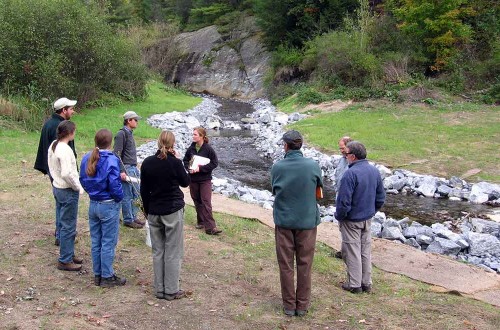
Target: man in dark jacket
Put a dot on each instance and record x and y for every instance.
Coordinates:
(63, 110)
(295, 180)
(361, 194)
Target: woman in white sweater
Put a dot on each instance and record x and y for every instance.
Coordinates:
(66, 189)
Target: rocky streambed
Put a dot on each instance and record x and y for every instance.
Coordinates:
(254, 134)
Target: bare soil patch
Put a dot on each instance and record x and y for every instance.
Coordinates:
(232, 280)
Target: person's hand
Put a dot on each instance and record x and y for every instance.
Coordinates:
(81, 191)
(123, 176)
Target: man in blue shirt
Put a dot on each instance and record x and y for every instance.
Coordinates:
(295, 180)
(361, 194)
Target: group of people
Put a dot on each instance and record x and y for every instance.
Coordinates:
(111, 178)
(296, 181)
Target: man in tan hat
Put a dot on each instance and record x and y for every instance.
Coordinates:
(63, 110)
(125, 149)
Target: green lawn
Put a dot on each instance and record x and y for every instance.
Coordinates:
(444, 139)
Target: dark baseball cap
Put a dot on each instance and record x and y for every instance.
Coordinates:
(292, 137)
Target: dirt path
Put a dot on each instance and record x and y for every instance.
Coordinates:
(441, 271)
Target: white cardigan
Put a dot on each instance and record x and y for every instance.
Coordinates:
(62, 167)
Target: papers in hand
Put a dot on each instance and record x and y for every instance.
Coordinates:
(198, 161)
(131, 179)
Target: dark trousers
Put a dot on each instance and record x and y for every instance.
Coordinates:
(201, 193)
(295, 244)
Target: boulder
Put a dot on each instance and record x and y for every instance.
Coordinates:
(424, 239)
(443, 246)
(413, 242)
(485, 226)
(483, 244)
(376, 229)
(393, 233)
(482, 191)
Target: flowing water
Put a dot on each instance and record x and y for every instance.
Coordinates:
(239, 160)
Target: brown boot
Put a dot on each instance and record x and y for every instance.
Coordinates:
(77, 260)
(70, 266)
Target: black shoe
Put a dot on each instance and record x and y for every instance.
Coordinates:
(366, 288)
(133, 225)
(109, 282)
(213, 231)
(97, 280)
(57, 242)
(338, 255)
(178, 295)
(289, 312)
(346, 287)
(301, 313)
(200, 227)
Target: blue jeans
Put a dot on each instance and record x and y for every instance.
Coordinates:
(104, 219)
(130, 193)
(67, 208)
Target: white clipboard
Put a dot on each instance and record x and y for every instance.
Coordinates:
(198, 161)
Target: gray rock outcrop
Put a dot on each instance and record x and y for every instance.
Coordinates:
(209, 63)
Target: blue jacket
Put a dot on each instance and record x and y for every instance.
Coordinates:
(106, 184)
(361, 193)
(294, 181)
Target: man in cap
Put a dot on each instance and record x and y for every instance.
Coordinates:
(125, 149)
(63, 110)
(294, 181)
(361, 194)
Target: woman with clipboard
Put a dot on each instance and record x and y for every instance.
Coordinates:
(200, 160)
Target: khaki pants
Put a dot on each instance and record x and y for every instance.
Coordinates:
(167, 241)
(295, 244)
(356, 251)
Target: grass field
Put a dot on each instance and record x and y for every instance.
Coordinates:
(442, 139)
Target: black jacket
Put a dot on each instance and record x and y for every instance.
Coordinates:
(205, 172)
(160, 181)
(48, 135)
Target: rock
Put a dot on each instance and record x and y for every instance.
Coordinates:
(423, 239)
(379, 217)
(485, 227)
(481, 192)
(394, 182)
(483, 244)
(281, 118)
(428, 187)
(376, 229)
(410, 232)
(413, 242)
(456, 182)
(444, 190)
(384, 171)
(248, 120)
(393, 233)
(443, 246)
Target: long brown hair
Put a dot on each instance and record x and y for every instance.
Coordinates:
(64, 129)
(166, 142)
(102, 140)
(202, 132)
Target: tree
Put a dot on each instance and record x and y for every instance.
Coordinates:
(438, 24)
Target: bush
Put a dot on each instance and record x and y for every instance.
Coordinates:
(337, 57)
(51, 48)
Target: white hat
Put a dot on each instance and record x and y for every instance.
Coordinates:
(63, 102)
(131, 115)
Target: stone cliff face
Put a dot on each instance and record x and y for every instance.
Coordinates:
(229, 66)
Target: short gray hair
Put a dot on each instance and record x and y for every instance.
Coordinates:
(357, 149)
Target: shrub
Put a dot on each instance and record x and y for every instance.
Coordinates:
(337, 56)
(51, 48)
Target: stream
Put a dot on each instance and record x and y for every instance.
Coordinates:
(239, 160)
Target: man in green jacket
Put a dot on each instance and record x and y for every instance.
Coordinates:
(63, 110)
(295, 180)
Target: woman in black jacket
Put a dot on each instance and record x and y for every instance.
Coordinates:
(163, 201)
(201, 180)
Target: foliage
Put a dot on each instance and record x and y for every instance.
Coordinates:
(294, 22)
(438, 24)
(50, 48)
(337, 58)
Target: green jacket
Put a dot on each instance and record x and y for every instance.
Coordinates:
(294, 180)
